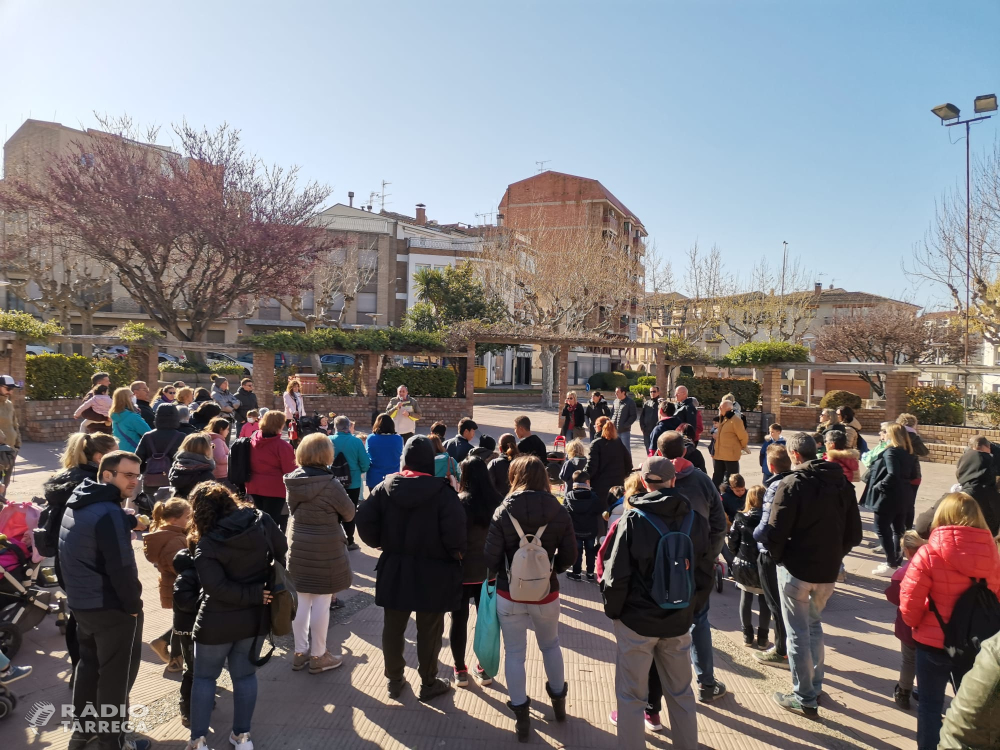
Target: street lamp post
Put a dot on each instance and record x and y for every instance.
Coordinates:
(947, 112)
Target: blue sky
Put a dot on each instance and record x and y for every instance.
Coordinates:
(736, 123)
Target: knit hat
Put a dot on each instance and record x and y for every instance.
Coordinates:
(418, 454)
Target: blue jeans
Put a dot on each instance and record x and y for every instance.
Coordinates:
(934, 672)
(802, 603)
(626, 438)
(701, 648)
(514, 619)
(208, 662)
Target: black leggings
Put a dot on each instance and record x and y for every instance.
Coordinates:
(458, 636)
(746, 613)
(272, 506)
(768, 570)
(355, 496)
(890, 528)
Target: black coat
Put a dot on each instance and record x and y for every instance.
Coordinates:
(165, 437)
(248, 401)
(593, 412)
(743, 546)
(649, 415)
(146, 412)
(579, 417)
(187, 592)
(233, 565)
(585, 508)
(532, 509)
(499, 473)
(188, 470)
(420, 526)
(977, 476)
(889, 489)
(473, 563)
(58, 490)
(608, 465)
(628, 568)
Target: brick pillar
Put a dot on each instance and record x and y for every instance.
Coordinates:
(263, 377)
(896, 384)
(661, 371)
(470, 379)
(18, 370)
(145, 361)
(560, 375)
(369, 378)
(770, 395)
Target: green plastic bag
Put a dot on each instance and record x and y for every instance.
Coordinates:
(486, 644)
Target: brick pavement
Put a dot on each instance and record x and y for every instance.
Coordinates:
(348, 707)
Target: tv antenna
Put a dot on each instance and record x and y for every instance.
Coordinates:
(541, 165)
(485, 218)
(383, 195)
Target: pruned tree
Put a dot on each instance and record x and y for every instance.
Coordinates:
(769, 302)
(190, 233)
(940, 258)
(561, 280)
(889, 335)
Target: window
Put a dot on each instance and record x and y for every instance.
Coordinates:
(368, 258)
(420, 267)
(367, 303)
(215, 337)
(308, 301)
(269, 309)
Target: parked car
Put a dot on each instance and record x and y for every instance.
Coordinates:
(111, 351)
(336, 362)
(217, 358)
(247, 359)
(164, 357)
(34, 349)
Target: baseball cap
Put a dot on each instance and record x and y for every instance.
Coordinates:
(657, 470)
(8, 381)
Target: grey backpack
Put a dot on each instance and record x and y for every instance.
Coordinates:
(530, 568)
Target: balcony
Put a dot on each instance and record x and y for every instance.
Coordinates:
(610, 224)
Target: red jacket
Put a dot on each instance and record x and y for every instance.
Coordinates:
(942, 569)
(270, 459)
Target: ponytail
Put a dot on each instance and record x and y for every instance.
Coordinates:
(167, 511)
(79, 451)
(508, 446)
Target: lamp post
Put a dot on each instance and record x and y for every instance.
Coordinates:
(784, 258)
(948, 112)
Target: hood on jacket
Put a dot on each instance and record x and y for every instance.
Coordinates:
(409, 493)
(166, 417)
(975, 469)
(188, 461)
(306, 483)
(774, 478)
(845, 455)
(667, 503)
(183, 560)
(90, 492)
(822, 471)
(418, 454)
(236, 525)
(259, 437)
(68, 479)
(966, 549)
(683, 467)
(155, 541)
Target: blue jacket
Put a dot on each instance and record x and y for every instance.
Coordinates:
(385, 452)
(760, 533)
(458, 448)
(95, 550)
(354, 450)
(129, 428)
(763, 455)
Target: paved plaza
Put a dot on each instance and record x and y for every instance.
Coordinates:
(348, 707)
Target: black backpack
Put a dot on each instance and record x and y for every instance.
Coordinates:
(341, 470)
(239, 462)
(975, 618)
(158, 465)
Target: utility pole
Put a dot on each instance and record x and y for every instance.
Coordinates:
(784, 260)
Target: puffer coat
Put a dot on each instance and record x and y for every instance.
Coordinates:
(317, 503)
(973, 719)
(160, 547)
(942, 570)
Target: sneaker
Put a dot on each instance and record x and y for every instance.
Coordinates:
(884, 571)
(161, 647)
(901, 697)
(772, 658)
(762, 641)
(395, 688)
(176, 664)
(462, 678)
(299, 661)
(324, 663)
(842, 575)
(709, 693)
(879, 549)
(144, 745)
(484, 679)
(13, 674)
(352, 546)
(336, 604)
(790, 703)
(186, 722)
(652, 721)
(748, 639)
(241, 741)
(591, 578)
(433, 689)
(614, 718)
(198, 744)
(574, 576)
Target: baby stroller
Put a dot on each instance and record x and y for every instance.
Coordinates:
(556, 458)
(304, 425)
(24, 595)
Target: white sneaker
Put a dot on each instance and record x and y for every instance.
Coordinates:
(842, 575)
(198, 744)
(884, 571)
(241, 741)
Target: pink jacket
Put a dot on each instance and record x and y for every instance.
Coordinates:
(248, 429)
(220, 452)
(101, 404)
(270, 459)
(942, 570)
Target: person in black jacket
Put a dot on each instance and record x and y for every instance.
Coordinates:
(609, 461)
(500, 466)
(888, 492)
(480, 500)
(649, 416)
(534, 509)
(668, 420)
(193, 464)
(744, 567)
(647, 633)
(187, 597)
(585, 509)
(205, 413)
(141, 392)
(596, 408)
(977, 475)
(248, 402)
(164, 439)
(234, 547)
(418, 522)
(574, 418)
(528, 443)
(813, 523)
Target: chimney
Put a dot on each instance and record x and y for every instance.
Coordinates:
(831, 286)
(350, 199)
(421, 214)
(819, 287)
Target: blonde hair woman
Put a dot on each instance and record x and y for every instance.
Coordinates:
(126, 424)
(892, 492)
(574, 419)
(193, 464)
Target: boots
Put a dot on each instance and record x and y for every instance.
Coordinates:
(748, 637)
(522, 719)
(902, 697)
(558, 701)
(762, 638)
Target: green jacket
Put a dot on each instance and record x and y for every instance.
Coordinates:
(357, 457)
(973, 720)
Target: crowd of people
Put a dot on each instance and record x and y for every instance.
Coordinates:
(454, 519)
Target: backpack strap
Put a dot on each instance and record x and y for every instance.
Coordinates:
(688, 523)
(537, 536)
(656, 522)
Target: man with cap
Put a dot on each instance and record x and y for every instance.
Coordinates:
(418, 522)
(646, 633)
(10, 433)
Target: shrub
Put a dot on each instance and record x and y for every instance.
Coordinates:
(647, 380)
(281, 376)
(121, 369)
(137, 333)
(797, 402)
(607, 381)
(835, 399)
(437, 382)
(323, 340)
(759, 353)
(189, 367)
(27, 326)
(990, 404)
(226, 368)
(632, 375)
(51, 376)
(934, 405)
(337, 383)
(639, 392)
(709, 391)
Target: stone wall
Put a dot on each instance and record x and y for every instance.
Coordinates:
(947, 444)
(807, 417)
(49, 421)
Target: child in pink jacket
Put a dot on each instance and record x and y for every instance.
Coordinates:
(908, 647)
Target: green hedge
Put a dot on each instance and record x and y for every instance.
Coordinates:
(709, 391)
(759, 353)
(607, 381)
(438, 382)
(647, 380)
(51, 376)
(121, 369)
(27, 326)
(934, 405)
(835, 399)
(639, 392)
(336, 383)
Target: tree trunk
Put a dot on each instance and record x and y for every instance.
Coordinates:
(548, 356)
